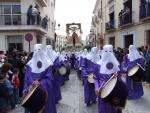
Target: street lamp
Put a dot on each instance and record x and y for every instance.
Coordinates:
(57, 28)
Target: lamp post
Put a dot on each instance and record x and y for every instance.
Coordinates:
(57, 28)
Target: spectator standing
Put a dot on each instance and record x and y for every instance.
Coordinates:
(3, 95)
(121, 17)
(147, 55)
(119, 54)
(16, 84)
(147, 63)
(45, 22)
(10, 95)
(2, 55)
(127, 14)
(29, 15)
(39, 18)
(34, 15)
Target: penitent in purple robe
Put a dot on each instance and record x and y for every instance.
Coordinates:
(135, 90)
(77, 67)
(66, 63)
(89, 90)
(46, 80)
(61, 79)
(56, 88)
(99, 80)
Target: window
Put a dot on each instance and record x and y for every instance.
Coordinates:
(39, 39)
(10, 14)
(7, 9)
(48, 41)
(16, 9)
(15, 41)
(7, 19)
(16, 19)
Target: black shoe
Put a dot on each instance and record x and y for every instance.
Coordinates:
(13, 107)
(88, 104)
(94, 102)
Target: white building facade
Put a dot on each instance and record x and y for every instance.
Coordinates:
(60, 42)
(129, 26)
(14, 26)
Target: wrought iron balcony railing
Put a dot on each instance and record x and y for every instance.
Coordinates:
(145, 10)
(125, 18)
(23, 19)
(110, 25)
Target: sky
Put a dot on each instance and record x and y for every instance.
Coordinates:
(77, 11)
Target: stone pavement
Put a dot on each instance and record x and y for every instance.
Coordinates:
(73, 100)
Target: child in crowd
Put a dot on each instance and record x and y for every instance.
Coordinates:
(10, 94)
(6, 93)
(16, 84)
(3, 95)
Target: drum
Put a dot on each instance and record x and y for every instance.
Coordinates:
(90, 78)
(136, 73)
(115, 92)
(68, 67)
(35, 100)
(64, 69)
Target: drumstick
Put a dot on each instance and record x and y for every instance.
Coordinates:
(101, 85)
(108, 80)
(140, 66)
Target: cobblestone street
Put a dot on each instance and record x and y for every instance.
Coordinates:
(73, 101)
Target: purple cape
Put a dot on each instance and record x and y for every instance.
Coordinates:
(135, 90)
(99, 80)
(46, 82)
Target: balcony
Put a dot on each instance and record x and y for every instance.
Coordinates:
(43, 2)
(21, 22)
(145, 11)
(110, 26)
(125, 19)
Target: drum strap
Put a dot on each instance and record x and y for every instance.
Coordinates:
(108, 80)
(141, 67)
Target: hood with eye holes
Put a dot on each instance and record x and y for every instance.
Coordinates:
(108, 62)
(39, 61)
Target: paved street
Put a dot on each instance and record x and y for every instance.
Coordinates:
(72, 101)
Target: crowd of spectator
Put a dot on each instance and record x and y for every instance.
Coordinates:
(144, 52)
(34, 17)
(11, 81)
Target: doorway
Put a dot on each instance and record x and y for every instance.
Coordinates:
(128, 40)
(15, 41)
(112, 41)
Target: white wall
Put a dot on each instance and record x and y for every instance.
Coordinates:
(44, 11)
(50, 12)
(25, 5)
(2, 43)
